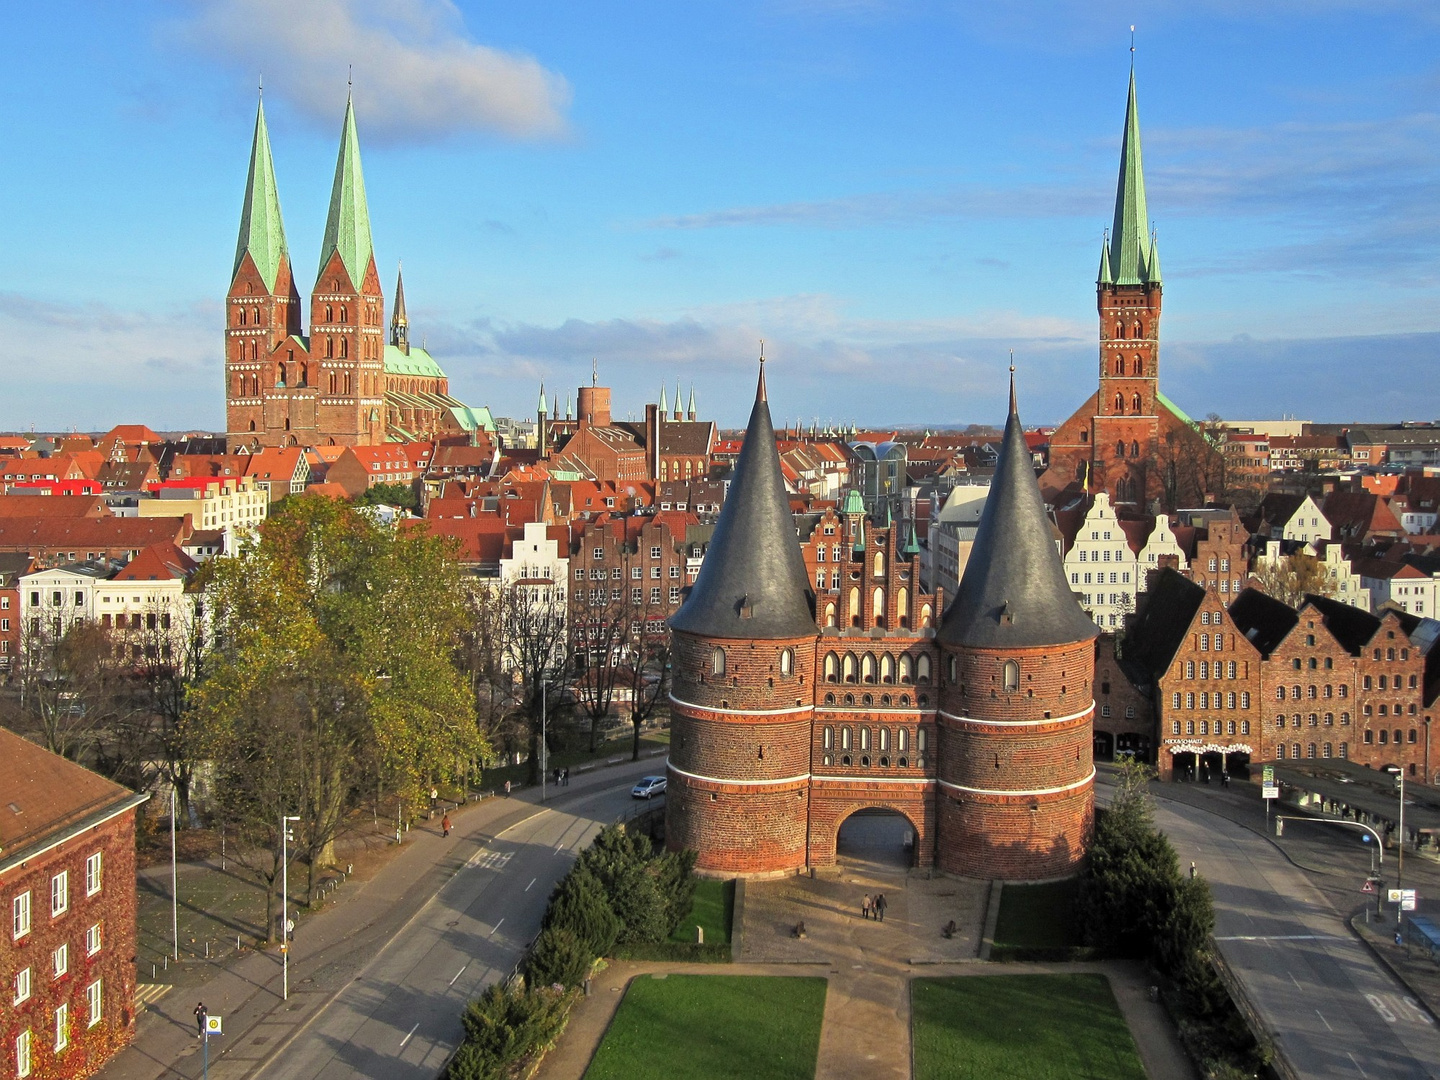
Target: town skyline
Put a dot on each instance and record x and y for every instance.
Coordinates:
(960, 223)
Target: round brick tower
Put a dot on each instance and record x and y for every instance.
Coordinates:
(742, 699)
(1016, 696)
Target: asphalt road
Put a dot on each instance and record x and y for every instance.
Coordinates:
(400, 1016)
(1338, 1013)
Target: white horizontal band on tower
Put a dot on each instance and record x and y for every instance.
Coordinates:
(873, 780)
(739, 712)
(1019, 723)
(742, 783)
(1032, 791)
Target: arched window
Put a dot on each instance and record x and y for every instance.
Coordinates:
(1137, 366)
(832, 667)
(926, 616)
(1134, 448)
(864, 738)
(902, 740)
(332, 382)
(1119, 365)
(848, 667)
(922, 668)
(877, 606)
(902, 606)
(1135, 404)
(905, 668)
(887, 668)
(329, 346)
(1120, 448)
(344, 314)
(879, 564)
(844, 738)
(854, 607)
(1010, 676)
(344, 347)
(280, 375)
(717, 662)
(787, 662)
(867, 668)
(1120, 404)
(829, 612)
(252, 425)
(882, 737)
(329, 313)
(1084, 435)
(1119, 330)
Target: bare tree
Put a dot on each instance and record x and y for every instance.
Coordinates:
(600, 640)
(537, 655)
(647, 675)
(1289, 578)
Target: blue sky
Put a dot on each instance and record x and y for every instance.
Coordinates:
(891, 194)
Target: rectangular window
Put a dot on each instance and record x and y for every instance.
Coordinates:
(20, 915)
(22, 1053)
(92, 940)
(654, 553)
(94, 999)
(1175, 700)
(637, 596)
(93, 874)
(655, 573)
(1344, 750)
(61, 958)
(62, 1027)
(674, 594)
(637, 572)
(655, 595)
(22, 986)
(60, 893)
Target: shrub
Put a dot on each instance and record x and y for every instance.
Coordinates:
(580, 906)
(558, 956)
(503, 1026)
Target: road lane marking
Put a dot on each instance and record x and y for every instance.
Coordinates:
(1381, 1008)
(1296, 982)
(494, 928)
(1420, 1014)
(462, 972)
(406, 1039)
(532, 882)
(559, 847)
(1282, 937)
(1355, 1063)
(1323, 1020)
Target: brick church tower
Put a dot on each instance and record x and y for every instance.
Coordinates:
(347, 308)
(263, 305)
(742, 699)
(1016, 775)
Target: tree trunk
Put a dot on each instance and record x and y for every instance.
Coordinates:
(636, 719)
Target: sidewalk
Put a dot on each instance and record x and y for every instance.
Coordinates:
(331, 947)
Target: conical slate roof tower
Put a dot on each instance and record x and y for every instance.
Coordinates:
(752, 583)
(1014, 593)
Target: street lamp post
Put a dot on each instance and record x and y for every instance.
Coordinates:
(285, 905)
(1280, 820)
(1400, 853)
(174, 880)
(544, 761)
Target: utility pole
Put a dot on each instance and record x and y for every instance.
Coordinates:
(285, 905)
(544, 763)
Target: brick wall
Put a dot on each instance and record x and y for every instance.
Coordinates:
(1033, 839)
(1056, 680)
(1124, 716)
(752, 678)
(737, 830)
(114, 909)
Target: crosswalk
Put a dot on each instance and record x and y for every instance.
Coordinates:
(149, 993)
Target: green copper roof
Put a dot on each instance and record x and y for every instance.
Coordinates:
(1131, 253)
(472, 419)
(1179, 412)
(262, 233)
(1105, 277)
(912, 542)
(541, 409)
(853, 504)
(347, 229)
(416, 362)
(663, 405)
(859, 548)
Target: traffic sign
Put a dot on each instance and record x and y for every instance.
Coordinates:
(1407, 904)
(212, 1025)
(1270, 791)
(1400, 896)
(1267, 775)
(1368, 887)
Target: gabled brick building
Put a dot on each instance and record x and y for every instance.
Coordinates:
(67, 888)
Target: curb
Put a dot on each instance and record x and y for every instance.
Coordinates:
(1364, 939)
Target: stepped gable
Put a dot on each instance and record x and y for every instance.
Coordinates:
(753, 583)
(1014, 593)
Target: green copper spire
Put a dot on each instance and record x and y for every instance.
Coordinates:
(912, 542)
(1152, 275)
(262, 233)
(347, 229)
(663, 401)
(1130, 249)
(541, 410)
(1105, 277)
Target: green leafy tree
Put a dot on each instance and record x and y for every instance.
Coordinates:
(389, 493)
(332, 672)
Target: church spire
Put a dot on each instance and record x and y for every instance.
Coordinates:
(664, 402)
(262, 232)
(690, 409)
(347, 228)
(1131, 253)
(399, 324)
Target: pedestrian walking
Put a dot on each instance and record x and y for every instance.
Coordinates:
(1192, 868)
(445, 825)
(1225, 780)
(565, 778)
(200, 1014)
(507, 789)
(558, 770)
(880, 906)
(865, 906)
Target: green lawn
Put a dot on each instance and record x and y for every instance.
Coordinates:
(1011, 1026)
(1038, 916)
(714, 906)
(707, 1026)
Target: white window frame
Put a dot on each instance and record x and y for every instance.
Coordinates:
(93, 940)
(23, 1064)
(20, 916)
(60, 960)
(94, 873)
(62, 1027)
(95, 1000)
(22, 987)
(59, 894)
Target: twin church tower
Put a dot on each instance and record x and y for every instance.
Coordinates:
(798, 702)
(348, 382)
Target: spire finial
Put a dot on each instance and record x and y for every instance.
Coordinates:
(1013, 409)
(350, 78)
(262, 84)
(760, 393)
(1132, 46)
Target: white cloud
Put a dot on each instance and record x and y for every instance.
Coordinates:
(417, 75)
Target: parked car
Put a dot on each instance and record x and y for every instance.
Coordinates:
(649, 787)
